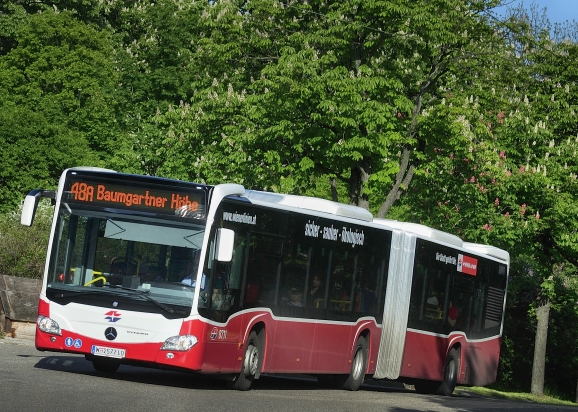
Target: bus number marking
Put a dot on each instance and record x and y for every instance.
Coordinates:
(219, 334)
(82, 192)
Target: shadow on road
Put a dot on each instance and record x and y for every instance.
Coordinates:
(77, 364)
(270, 386)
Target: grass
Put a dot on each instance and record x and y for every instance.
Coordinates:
(515, 396)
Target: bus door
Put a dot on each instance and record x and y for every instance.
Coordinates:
(221, 294)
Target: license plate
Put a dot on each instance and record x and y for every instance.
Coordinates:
(108, 352)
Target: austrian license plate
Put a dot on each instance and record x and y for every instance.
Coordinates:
(108, 352)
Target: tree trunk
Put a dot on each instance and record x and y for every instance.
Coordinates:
(333, 183)
(402, 180)
(539, 365)
(357, 181)
(407, 169)
(354, 186)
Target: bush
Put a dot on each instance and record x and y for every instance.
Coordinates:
(23, 249)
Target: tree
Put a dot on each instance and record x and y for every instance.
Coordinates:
(12, 17)
(23, 249)
(551, 103)
(57, 105)
(222, 52)
(512, 183)
(339, 92)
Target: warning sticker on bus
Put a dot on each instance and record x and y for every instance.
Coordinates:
(108, 352)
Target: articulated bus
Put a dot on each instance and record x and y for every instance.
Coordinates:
(235, 283)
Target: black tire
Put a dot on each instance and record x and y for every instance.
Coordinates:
(451, 372)
(105, 365)
(251, 364)
(358, 366)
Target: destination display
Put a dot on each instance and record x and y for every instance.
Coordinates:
(170, 202)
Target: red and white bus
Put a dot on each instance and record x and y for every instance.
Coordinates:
(287, 284)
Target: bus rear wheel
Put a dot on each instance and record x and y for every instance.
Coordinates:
(249, 369)
(447, 386)
(358, 366)
(451, 372)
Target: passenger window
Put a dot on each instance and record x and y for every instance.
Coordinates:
(263, 270)
(342, 283)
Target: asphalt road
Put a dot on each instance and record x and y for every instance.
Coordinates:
(44, 381)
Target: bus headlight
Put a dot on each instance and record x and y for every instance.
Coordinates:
(180, 343)
(48, 325)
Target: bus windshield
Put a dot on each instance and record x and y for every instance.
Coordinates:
(148, 263)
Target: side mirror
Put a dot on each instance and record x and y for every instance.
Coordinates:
(225, 242)
(31, 203)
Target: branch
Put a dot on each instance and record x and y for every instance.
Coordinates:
(402, 181)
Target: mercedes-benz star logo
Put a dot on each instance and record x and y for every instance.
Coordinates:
(110, 333)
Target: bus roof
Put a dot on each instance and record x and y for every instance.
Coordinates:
(488, 250)
(91, 169)
(435, 234)
(310, 203)
(422, 230)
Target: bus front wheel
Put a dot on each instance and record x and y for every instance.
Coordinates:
(244, 379)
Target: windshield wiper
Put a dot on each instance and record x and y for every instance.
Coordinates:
(145, 295)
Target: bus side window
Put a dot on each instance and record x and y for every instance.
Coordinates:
(366, 298)
(417, 297)
(342, 283)
(421, 313)
(266, 281)
(262, 271)
(463, 292)
(475, 326)
(366, 284)
(294, 273)
(319, 268)
(435, 298)
(225, 283)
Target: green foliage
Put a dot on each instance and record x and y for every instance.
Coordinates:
(23, 249)
(505, 174)
(321, 90)
(525, 288)
(63, 69)
(12, 17)
(55, 103)
(516, 396)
